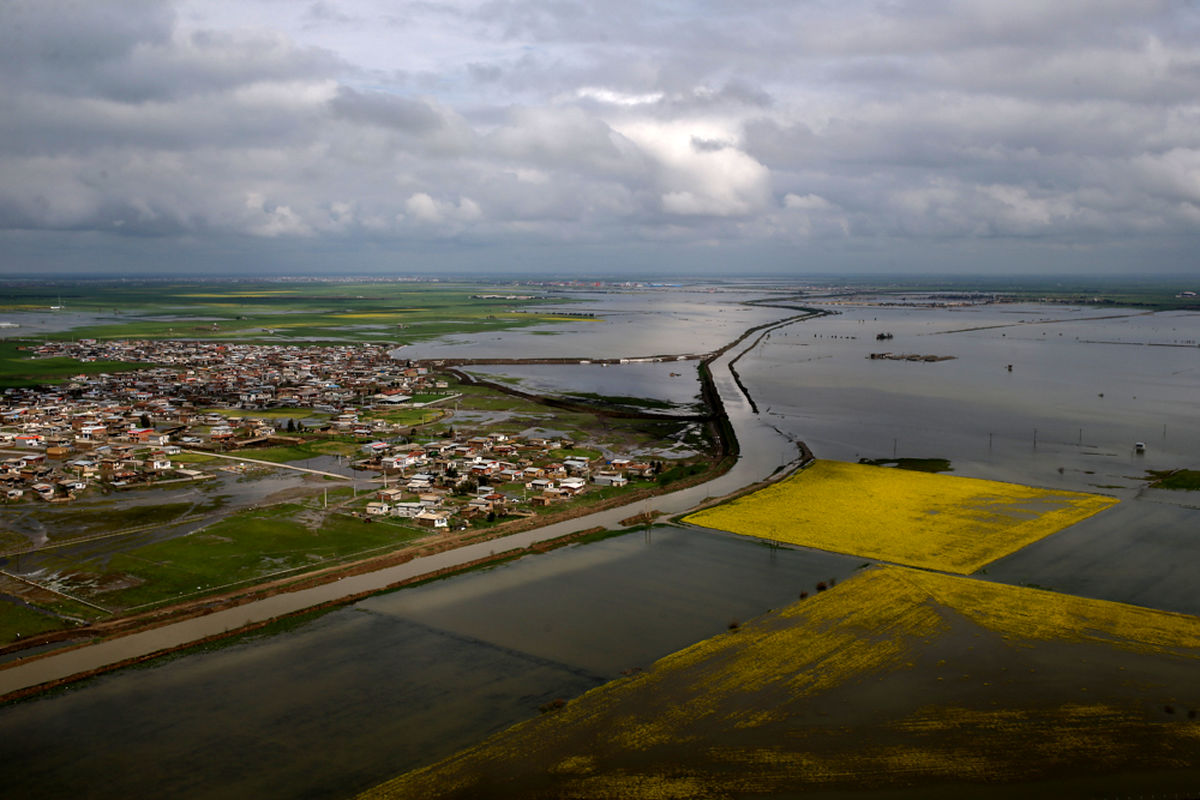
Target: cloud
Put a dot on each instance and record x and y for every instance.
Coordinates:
(372, 126)
(424, 208)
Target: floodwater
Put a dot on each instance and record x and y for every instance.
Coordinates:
(399, 679)
(1086, 384)
(674, 382)
(35, 323)
(226, 492)
(626, 324)
(1087, 388)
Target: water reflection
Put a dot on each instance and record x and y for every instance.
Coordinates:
(400, 679)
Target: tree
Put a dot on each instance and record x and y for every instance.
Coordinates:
(491, 517)
(291, 426)
(144, 420)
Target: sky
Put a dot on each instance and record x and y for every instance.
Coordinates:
(772, 137)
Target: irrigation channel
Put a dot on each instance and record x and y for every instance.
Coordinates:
(763, 453)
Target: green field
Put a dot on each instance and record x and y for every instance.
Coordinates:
(18, 621)
(243, 548)
(17, 369)
(1181, 479)
(265, 311)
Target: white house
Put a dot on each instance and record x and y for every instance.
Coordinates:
(572, 485)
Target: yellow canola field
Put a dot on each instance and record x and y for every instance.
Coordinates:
(851, 688)
(921, 519)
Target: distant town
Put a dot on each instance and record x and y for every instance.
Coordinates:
(119, 430)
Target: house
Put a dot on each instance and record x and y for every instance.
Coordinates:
(375, 448)
(377, 508)
(220, 433)
(609, 479)
(158, 463)
(92, 432)
(572, 485)
(433, 519)
(389, 495)
(421, 480)
(408, 510)
(147, 436)
(576, 466)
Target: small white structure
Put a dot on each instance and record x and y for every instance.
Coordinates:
(572, 485)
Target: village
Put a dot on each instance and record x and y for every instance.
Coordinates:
(204, 407)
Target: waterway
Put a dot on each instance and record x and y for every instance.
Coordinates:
(359, 694)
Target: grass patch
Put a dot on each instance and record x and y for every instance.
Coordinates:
(405, 416)
(18, 370)
(678, 473)
(915, 518)
(381, 312)
(620, 400)
(282, 454)
(193, 458)
(1181, 479)
(18, 621)
(246, 546)
(915, 464)
(106, 517)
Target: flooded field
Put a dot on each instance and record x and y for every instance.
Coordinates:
(674, 384)
(1087, 388)
(360, 694)
(342, 702)
(663, 322)
(940, 697)
(102, 513)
